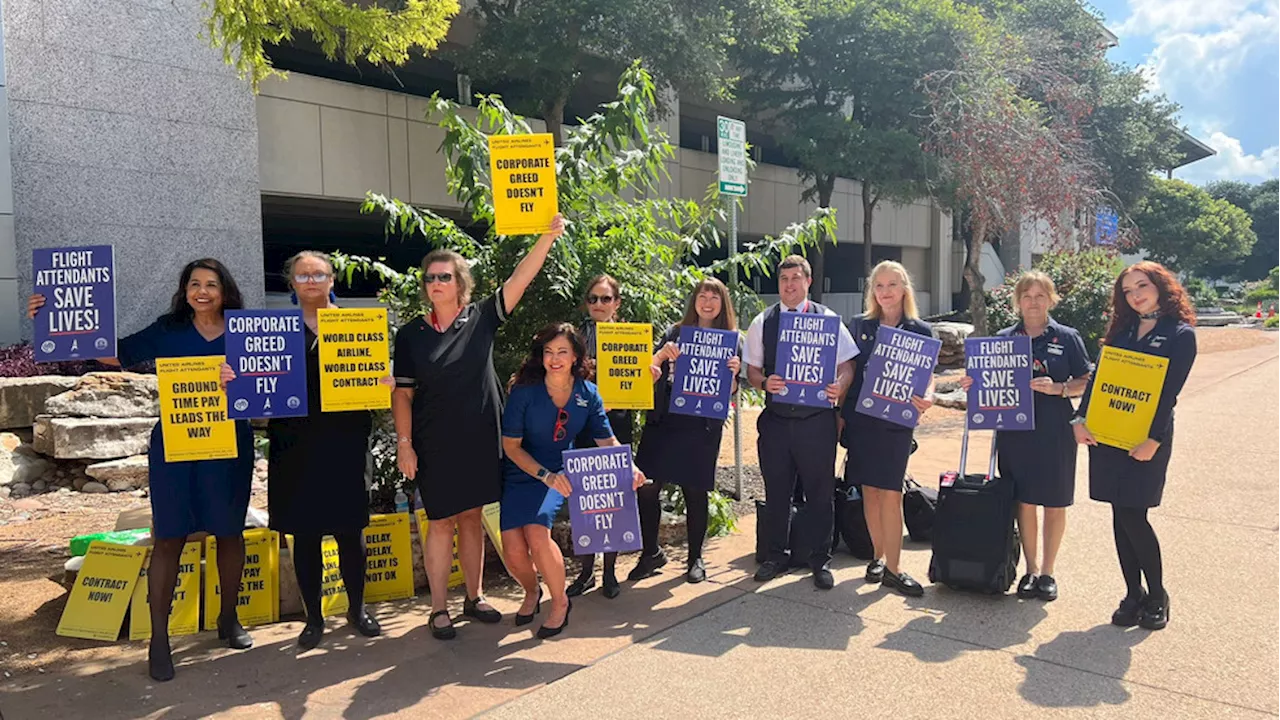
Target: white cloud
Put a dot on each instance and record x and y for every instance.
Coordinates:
(1152, 17)
(1185, 61)
(1232, 162)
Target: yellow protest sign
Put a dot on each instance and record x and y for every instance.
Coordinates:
(491, 518)
(388, 553)
(193, 410)
(1126, 390)
(184, 613)
(258, 602)
(354, 358)
(523, 169)
(623, 352)
(104, 586)
(456, 577)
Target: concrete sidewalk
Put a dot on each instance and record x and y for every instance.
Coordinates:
(732, 648)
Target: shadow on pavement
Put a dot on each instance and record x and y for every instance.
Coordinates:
(1109, 651)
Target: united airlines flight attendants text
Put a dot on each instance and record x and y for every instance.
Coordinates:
(1150, 313)
(447, 407)
(194, 496)
(796, 442)
(550, 404)
(878, 450)
(1041, 463)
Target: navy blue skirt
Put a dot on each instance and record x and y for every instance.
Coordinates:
(1042, 462)
(200, 495)
(528, 502)
(1116, 478)
(878, 452)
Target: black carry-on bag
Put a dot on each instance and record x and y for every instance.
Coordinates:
(975, 541)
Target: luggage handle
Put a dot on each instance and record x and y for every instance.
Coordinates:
(964, 452)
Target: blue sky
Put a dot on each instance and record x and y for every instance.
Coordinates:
(1219, 60)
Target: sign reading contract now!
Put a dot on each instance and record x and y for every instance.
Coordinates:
(523, 169)
(1126, 391)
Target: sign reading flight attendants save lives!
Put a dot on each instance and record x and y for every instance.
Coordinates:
(104, 586)
(354, 358)
(1126, 391)
(806, 357)
(523, 169)
(267, 351)
(603, 514)
(899, 368)
(193, 409)
(78, 320)
(701, 383)
(1001, 396)
(623, 354)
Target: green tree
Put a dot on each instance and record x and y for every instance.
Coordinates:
(379, 31)
(1260, 202)
(1083, 279)
(542, 49)
(1189, 230)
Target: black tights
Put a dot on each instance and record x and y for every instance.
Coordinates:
(589, 566)
(309, 565)
(1139, 551)
(697, 505)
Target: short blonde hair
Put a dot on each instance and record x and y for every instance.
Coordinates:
(1034, 277)
(461, 273)
(873, 309)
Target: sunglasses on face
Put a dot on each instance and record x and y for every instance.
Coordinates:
(433, 277)
(313, 278)
(593, 299)
(562, 419)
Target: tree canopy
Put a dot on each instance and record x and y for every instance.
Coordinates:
(1187, 229)
(1260, 202)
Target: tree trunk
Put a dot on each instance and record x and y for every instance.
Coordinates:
(868, 212)
(973, 274)
(553, 116)
(818, 262)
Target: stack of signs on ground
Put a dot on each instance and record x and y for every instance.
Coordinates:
(807, 344)
(104, 586)
(184, 611)
(1000, 397)
(78, 320)
(258, 601)
(266, 350)
(899, 368)
(701, 383)
(456, 577)
(603, 513)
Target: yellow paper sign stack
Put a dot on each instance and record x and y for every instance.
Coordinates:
(354, 358)
(523, 168)
(193, 410)
(1126, 390)
(456, 577)
(184, 613)
(389, 558)
(623, 352)
(259, 597)
(104, 586)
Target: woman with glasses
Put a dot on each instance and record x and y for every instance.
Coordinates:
(550, 404)
(447, 407)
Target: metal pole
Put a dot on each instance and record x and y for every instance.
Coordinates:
(737, 398)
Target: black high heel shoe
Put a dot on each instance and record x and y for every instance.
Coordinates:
(545, 632)
(236, 637)
(537, 608)
(160, 664)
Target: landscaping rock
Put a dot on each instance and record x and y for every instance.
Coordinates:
(19, 490)
(121, 475)
(946, 381)
(22, 399)
(108, 395)
(952, 335)
(94, 487)
(93, 438)
(19, 462)
(39, 486)
(956, 399)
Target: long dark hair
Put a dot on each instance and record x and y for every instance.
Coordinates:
(726, 320)
(180, 311)
(532, 372)
(1173, 299)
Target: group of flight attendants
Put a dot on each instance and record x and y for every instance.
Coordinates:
(464, 447)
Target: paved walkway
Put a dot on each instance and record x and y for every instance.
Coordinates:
(732, 648)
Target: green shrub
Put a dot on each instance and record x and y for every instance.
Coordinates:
(1083, 280)
(1201, 292)
(720, 518)
(1271, 322)
(1262, 295)
(1273, 278)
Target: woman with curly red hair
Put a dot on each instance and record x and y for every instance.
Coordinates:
(1150, 313)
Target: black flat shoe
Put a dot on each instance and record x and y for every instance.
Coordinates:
(230, 630)
(1027, 586)
(875, 572)
(526, 619)
(364, 623)
(611, 587)
(447, 632)
(648, 566)
(1130, 608)
(1047, 588)
(904, 584)
(769, 570)
(471, 609)
(160, 664)
(697, 571)
(1155, 613)
(545, 632)
(310, 636)
(581, 585)
(823, 579)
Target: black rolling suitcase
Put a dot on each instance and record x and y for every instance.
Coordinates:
(975, 541)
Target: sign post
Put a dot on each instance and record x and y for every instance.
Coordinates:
(732, 153)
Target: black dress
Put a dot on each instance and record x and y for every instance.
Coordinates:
(878, 449)
(1116, 478)
(1042, 462)
(457, 407)
(316, 464)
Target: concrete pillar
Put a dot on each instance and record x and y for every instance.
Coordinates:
(9, 302)
(940, 257)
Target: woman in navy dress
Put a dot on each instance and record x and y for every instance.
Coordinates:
(1041, 463)
(1150, 313)
(879, 449)
(200, 495)
(683, 449)
(550, 404)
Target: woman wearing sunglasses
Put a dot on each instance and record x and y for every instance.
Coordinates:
(550, 404)
(447, 407)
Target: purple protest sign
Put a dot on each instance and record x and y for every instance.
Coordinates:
(701, 382)
(899, 367)
(267, 351)
(78, 320)
(1000, 397)
(806, 359)
(602, 507)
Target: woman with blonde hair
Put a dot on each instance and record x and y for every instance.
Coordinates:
(879, 449)
(1041, 463)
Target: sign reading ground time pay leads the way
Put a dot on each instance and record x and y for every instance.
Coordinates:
(731, 136)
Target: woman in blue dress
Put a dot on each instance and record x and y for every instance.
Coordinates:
(194, 496)
(550, 404)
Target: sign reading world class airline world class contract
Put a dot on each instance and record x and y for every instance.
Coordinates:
(354, 358)
(78, 320)
(523, 168)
